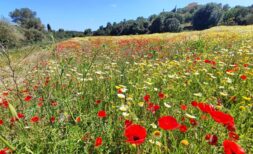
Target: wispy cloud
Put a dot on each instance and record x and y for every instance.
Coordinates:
(113, 5)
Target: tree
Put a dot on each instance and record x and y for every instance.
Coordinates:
(117, 29)
(61, 30)
(207, 16)
(237, 16)
(171, 25)
(152, 17)
(156, 26)
(165, 15)
(142, 25)
(26, 18)
(87, 32)
(100, 32)
(226, 7)
(108, 28)
(174, 10)
(49, 29)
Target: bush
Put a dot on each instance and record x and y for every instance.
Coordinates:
(172, 25)
(249, 19)
(207, 16)
(9, 35)
(33, 35)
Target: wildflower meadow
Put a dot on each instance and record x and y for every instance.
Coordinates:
(189, 92)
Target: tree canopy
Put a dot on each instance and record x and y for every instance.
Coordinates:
(26, 18)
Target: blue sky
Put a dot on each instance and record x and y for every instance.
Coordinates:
(82, 14)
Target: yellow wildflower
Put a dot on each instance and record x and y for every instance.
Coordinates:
(184, 142)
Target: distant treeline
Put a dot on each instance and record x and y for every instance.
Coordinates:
(191, 17)
(28, 28)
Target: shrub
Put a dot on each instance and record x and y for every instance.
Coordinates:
(9, 35)
(33, 35)
(172, 25)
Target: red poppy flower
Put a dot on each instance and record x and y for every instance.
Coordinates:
(233, 136)
(213, 62)
(207, 61)
(211, 139)
(120, 91)
(101, 114)
(5, 93)
(3, 151)
(243, 77)
(210, 62)
(194, 103)
(183, 128)
(193, 122)
(40, 104)
(1, 122)
(231, 147)
(245, 65)
(183, 107)
(135, 134)
(54, 103)
(13, 119)
(5, 103)
(153, 108)
(230, 71)
(52, 119)
(98, 141)
(230, 127)
(78, 119)
(28, 98)
(223, 118)
(161, 95)
(206, 108)
(168, 123)
(35, 119)
(197, 59)
(98, 101)
(20, 115)
(128, 123)
(146, 98)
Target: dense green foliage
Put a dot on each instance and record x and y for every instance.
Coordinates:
(193, 16)
(26, 18)
(207, 16)
(172, 25)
